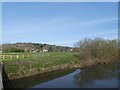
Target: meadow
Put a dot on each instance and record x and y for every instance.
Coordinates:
(88, 52)
(24, 64)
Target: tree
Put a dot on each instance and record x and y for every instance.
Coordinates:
(97, 48)
(50, 49)
(8, 50)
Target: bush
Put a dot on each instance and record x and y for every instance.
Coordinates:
(9, 50)
(98, 49)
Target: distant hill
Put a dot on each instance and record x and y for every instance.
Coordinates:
(34, 47)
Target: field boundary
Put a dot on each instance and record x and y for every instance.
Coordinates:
(22, 56)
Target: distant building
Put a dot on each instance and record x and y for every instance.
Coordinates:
(71, 49)
(32, 50)
(45, 50)
(40, 51)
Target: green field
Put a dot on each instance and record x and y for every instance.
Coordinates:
(33, 63)
(89, 52)
(19, 65)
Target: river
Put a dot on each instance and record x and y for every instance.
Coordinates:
(99, 76)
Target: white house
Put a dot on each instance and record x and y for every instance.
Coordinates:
(45, 50)
(71, 49)
(40, 51)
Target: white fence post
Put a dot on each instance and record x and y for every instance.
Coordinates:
(17, 56)
(10, 56)
(3, 57)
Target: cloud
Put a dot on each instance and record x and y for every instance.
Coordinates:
(55, 25)
(59, 31)
(99, 21)
(105, 32)
(62, 43)
(65, 24)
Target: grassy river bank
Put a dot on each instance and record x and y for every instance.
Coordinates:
(40, 63)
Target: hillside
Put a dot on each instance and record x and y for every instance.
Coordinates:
(34, 47)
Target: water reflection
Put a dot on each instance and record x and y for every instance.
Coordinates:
(98, 76)
(30, 81)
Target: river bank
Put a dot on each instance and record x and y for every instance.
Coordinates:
(98, 72)
(24, 68)
(38, 63)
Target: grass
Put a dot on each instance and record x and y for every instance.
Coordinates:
(33, 64)
(38, 63)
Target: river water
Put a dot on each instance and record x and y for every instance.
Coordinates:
(99, 76)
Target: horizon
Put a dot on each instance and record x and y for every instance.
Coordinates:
(61, 24)
(54, 44)
(35, 43)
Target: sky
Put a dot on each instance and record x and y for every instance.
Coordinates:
(58, 23)
(60, 0)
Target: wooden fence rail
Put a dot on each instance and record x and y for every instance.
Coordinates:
(20, 56)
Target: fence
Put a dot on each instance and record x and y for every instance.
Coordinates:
(21, 56)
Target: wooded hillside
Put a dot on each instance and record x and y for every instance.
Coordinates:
(33, 47)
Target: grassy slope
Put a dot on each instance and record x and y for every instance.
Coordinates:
(37, 64)
(44, 62)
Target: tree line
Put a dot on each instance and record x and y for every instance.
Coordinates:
(33, 47)
(97, 48)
